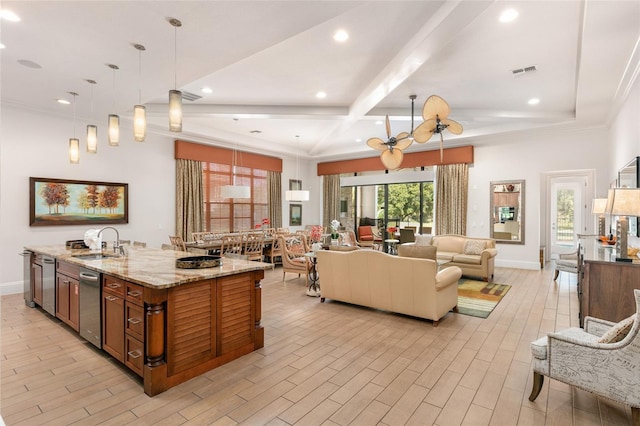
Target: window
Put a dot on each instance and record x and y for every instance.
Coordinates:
(225, 214)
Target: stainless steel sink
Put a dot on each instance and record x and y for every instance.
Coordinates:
(95, 256)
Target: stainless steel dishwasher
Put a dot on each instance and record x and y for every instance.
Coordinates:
(90, 300)
(27, 290)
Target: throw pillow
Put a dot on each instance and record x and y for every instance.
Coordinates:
(474, 246)
(618, 331)
(423, 240)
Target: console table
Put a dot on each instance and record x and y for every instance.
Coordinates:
(605, 287)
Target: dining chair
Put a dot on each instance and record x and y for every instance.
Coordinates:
(407, 235)
(167, 247)
(232, 244)
(275, 251)
(139, 244)
(177, 242)
(253, 245)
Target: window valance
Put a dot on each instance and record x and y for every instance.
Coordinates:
(214, 154)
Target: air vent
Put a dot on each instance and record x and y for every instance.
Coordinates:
(255, 131)
(521, 71)
(190, 96)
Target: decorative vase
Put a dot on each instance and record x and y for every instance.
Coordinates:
(334, 241)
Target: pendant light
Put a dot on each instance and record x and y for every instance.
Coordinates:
(233, 190)
(114, 120)
(92, 129)
(139, 111)
(297, 194)
(74, 143)
(175, 96)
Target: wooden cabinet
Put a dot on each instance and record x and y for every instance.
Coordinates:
(123, 322)
(36, 278)
(67, 294)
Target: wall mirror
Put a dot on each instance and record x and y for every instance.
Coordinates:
(629, 177)
(507, 211)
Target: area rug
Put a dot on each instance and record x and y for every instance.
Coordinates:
(479, 298)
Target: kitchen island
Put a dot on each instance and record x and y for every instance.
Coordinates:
(166, 324)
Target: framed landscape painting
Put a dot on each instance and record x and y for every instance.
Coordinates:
(295, 214)
(54, 202)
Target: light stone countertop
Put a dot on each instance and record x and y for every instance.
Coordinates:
(149, 267)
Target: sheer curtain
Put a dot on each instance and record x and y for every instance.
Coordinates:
(274, 197)
(452, 184)
(330, 198)
(189, 198)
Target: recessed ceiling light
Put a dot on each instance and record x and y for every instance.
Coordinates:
(358, 140)
(206, 90)
(508, 15)
(341, 35)
(321, 95)
(378, 122)
(9, 15)
(63, 101)
(534, 101)
(2, 46)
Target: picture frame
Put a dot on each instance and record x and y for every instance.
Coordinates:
(295, 214)
(295, 185)
(58, 202)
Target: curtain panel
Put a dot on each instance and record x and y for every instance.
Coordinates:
(452, 188)
(330, 199)
(274, 198)
(189, 198)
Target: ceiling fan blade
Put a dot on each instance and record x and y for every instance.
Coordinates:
(424, 132)
(388, 128)
(435, 105)
(403, 143)
(453, 126)
(392, 159)
(403, 135)
(378, 144)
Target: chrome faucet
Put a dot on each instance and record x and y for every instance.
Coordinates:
(117, 247)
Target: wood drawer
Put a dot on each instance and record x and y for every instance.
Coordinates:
(113, 285)
(134, 354)
(68, 269)
(134, 293)
(134, 320)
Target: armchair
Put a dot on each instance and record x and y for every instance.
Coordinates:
(600, 359)
(293, 258)
(566, 262)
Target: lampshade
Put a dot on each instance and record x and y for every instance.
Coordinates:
(296, 195)
(92, 139)
(235, 191)
(624, 202)
(114, 130)
(175, 110)
(74, 151)
(599, 206)
(139, 123)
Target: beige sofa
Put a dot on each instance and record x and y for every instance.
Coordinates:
(378, 280)
(475, 256)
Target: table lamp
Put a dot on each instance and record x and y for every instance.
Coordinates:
(599, 207)
(623, 202)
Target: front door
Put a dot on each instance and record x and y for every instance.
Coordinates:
(567, 212)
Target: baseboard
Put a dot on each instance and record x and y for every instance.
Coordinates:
(517, 264)
(11, 288)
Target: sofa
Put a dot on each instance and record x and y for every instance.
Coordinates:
(405, 285)
(474, 256)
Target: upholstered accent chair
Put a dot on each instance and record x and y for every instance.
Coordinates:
(566, 262)
(293, 258)
(603, 359)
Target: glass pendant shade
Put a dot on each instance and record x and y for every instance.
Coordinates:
(92, 139)
(74, 151)
(114, 130)
(235, 191)
(175, 110)
(139, 123)
(296, 195)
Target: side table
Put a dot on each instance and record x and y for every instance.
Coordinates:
(391, 244)
(314, 281)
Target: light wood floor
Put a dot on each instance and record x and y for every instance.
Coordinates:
(330, 363)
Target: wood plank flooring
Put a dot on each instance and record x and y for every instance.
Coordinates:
(329, 364)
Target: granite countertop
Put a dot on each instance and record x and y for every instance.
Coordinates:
(149, 267)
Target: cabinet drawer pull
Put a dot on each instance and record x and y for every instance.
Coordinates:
(134, 320)
(113, 285)
(134, 354)
(134, 293)
(111, 298)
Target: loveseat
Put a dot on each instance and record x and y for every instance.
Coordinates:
(475, 256)
(378, 280)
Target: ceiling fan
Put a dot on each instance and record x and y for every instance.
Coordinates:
(391, 155)
(435, 113)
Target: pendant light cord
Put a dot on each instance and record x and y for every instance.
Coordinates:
(175, 57)
(74, 115)
(139, 77)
